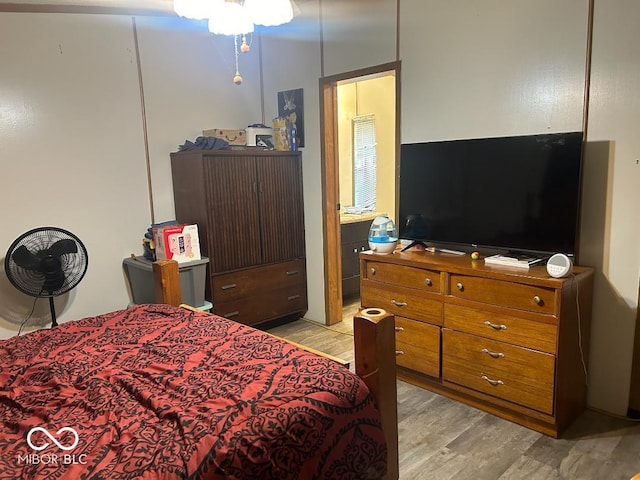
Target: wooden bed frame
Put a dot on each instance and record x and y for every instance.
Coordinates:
(374, 348)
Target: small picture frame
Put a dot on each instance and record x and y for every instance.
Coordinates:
(291, 107)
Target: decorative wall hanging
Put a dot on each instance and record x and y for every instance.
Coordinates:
(290, 106)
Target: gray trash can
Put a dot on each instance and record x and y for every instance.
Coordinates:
(193, 275)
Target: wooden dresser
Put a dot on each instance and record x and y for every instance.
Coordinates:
(509, 341)
(248, 205)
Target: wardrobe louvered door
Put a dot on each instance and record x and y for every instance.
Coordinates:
(281, 208)
(234, 223)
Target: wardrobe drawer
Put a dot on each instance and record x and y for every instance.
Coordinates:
(418, 346)
(400, 301)
(516, 374)
(241, 283)
(410, 277)
(506, 328)
(508, 294)
(264, 306)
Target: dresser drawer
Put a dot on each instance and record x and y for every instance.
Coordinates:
(242, 283)
(518, 331)
(264, 306)
(515, 374)
(401, 301)
(508, 294)
(418, 278)
(418, 346)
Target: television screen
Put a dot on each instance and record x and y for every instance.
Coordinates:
(518, 194)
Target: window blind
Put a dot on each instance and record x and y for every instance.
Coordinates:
(364, 162)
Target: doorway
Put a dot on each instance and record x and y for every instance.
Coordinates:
(331, 124)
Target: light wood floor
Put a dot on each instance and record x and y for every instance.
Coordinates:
(440, 439)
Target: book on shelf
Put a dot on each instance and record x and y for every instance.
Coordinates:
(519, 262)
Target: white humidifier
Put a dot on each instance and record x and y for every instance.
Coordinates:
(383, 236)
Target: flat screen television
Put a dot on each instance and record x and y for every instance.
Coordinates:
(517, 194)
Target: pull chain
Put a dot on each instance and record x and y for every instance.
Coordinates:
(237, 79)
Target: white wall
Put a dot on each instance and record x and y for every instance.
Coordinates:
(188, 87)
(357, 34)
(72, 140)
(71, 150)
(491, 68)
(611, 218)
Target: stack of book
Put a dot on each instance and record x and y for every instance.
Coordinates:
(519, 261)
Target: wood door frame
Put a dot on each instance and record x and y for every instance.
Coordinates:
(330, 179)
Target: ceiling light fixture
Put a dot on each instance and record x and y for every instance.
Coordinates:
(237, 18)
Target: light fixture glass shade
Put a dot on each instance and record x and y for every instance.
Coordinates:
(269, 12)
(230, 18)
(196, 9)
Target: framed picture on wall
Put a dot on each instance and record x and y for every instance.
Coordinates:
(290, 106)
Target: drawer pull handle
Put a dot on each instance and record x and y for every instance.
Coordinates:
(427, 282)
(227, 287)
(460, 286)
(292, 272)
(537, 300)
(493, 354)
(492, 382)
(399, 304)
(293, 297)
(231, 314)
(399, 352)
(373, 271)
(399, 329)
(495, 326)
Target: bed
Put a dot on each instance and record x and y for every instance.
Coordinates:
(163, 392)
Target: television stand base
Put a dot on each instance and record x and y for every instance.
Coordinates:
(431, 249)
(414, 243)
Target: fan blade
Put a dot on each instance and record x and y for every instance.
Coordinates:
(61, 247)
(25, 259)
(53, 281)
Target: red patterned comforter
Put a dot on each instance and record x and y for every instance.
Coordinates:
(160, 392)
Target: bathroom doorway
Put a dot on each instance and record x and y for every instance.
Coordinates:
(349, 100)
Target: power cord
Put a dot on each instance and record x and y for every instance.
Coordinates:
(33, 307)
(584, 364)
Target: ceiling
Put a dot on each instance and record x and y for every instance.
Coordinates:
(100, 3)
(154, 7)
(146, 7)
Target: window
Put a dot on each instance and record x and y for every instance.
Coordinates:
(364, 162)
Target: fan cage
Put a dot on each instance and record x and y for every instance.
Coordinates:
(73, 265)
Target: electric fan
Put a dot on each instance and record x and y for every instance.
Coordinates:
(46, 262)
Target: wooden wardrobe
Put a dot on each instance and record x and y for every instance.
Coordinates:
(248, 205)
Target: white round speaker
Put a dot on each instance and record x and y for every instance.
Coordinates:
(559, 265)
